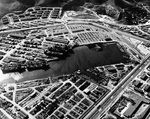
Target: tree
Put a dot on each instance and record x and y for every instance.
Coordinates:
(71, 4)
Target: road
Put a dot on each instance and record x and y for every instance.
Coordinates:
(116, 34)
(123, 84)
(102, 105)
(93, 106)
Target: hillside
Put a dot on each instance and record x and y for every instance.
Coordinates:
(130, 12)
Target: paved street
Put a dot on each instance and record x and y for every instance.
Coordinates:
(102, 107)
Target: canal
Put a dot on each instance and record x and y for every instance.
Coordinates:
(83, 57)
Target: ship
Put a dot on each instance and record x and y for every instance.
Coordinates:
(60, 51)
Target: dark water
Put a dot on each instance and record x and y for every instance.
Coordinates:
(83, 58)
